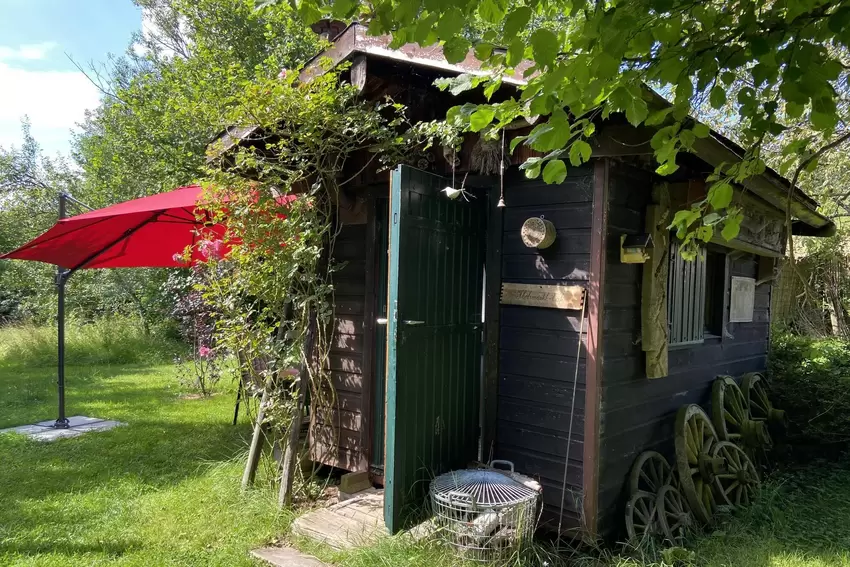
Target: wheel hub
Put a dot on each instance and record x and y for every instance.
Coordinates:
(776, 416)
(754, 433)
(710, 466)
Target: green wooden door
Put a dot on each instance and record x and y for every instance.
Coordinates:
(434, 338)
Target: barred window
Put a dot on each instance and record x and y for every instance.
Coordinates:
(695, 293)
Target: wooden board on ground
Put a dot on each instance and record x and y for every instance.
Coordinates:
(349, 524)
(537, 295)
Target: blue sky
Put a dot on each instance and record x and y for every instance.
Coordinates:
(37, 78)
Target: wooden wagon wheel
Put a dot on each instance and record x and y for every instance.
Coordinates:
(641, 517)
(737, 484)
(731, 417)
(695, 437)
(758, 402)
(650, 472)
(674, 518)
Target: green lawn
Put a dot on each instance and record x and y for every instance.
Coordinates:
(164, 490)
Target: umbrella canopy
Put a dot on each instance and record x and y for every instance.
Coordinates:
(147, 232)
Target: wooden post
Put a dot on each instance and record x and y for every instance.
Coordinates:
(654, 332)
(290, 454)
(256, 443)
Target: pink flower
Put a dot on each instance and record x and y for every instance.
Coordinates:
(205, 352)
(179, 258)
(282, 74)
(291, 372)
(211, 249)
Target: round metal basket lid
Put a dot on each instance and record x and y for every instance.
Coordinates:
(487, 488)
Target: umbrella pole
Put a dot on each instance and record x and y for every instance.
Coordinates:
(61, 277)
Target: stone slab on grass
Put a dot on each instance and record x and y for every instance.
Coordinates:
(285, 557)
(79, 424)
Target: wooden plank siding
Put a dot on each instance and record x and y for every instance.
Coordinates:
(342, 442)
(638, 413)
(537, 346)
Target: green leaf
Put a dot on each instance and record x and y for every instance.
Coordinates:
(492, 11)
(545, 46)
(636, 111)
(516, 51)
(456, 49)
(483, 50)
(720, 195)
(481, 118)
(839, 21)
(580, 152)
(517, 141)
(589, 130)
(667, 168)
(658, 116)
(701, 131)
(450, 23)
(492, 87)
(711, 219)
(717, 97)
(555, 172)
(731, 228)
(515, 22)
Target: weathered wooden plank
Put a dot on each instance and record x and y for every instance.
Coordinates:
(571, 267)
(548, 296)
(348, 305)
(549, 319)
(562, 216)
(342, 343)
(550, 417)
(539, 391)
(340, 419)
(572, 190)
(347, 382)
(540, 342)
(522, 363)
(567, 241)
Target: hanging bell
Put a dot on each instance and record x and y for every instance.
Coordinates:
(501, 203)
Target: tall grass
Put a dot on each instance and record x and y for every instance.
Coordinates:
(112, 340)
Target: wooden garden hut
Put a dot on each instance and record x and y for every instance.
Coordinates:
(458, 340)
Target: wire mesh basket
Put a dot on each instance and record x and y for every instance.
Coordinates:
(488, 513)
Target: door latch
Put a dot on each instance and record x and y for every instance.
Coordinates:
(413, 323)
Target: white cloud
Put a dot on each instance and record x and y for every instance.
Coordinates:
(29, 52)
(54, 101)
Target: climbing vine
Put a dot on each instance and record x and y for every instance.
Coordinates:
(278, 190)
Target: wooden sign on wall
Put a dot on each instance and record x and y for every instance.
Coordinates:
(742, 300)
(535, 295)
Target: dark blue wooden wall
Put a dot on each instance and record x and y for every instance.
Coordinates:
(537, 359)
(638, 413)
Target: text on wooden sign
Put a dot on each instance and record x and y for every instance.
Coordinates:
(536, 295)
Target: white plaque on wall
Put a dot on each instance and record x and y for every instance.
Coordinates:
(742, 300)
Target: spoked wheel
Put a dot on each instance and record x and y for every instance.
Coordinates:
(697, 466)
(641, 517)
(650, 472)
(731, 417)
(674, 518)
(758, 402)
(738, 482)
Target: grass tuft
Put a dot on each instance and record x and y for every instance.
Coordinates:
(113, 340)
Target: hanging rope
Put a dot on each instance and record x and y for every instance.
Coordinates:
(572, 414)
(501, 202)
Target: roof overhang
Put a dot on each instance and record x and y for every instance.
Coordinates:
(354, 42)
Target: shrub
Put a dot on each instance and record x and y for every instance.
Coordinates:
(811, 381)
(109, 340)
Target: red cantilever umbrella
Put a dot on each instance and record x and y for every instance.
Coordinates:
(143, 233)
(151, 232)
